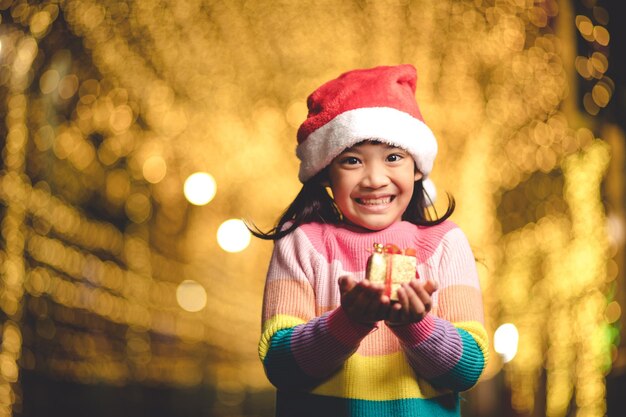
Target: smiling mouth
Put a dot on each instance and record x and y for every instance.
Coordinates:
(375, 201)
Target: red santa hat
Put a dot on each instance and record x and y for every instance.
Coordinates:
(366, 104)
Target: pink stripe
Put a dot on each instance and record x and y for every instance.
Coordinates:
(416, 333)
(329, 239)
(346, 331)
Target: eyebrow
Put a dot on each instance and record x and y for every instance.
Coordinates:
(390, 146)
(373, 142)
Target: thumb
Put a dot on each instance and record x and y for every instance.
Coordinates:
(431, 286)
(346, 283)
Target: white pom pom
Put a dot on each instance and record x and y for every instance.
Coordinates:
(430, 191)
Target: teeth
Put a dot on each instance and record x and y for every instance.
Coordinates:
(375, 201)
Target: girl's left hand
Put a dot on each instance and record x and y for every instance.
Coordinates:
(414, 302)
(363, 301)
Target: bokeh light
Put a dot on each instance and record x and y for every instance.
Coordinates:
(200, 188)
(154, 169)
(191, 296)
(233, 235)
(505, 341)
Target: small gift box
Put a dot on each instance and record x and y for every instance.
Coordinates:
(391, 266)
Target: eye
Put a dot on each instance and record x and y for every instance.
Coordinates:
(350, 160)
(394, 157)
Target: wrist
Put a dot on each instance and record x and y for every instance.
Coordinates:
(347, 318)
(389, 323)
(417, 331)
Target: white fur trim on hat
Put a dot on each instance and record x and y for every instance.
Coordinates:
(384, 124)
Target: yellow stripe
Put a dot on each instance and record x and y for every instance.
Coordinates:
(377, 378)
(390, 377)
(271, 326)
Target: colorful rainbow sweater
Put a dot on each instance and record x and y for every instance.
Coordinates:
(325, 364)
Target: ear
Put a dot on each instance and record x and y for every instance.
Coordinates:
(418, 175)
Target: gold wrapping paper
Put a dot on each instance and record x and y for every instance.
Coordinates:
(392, 267)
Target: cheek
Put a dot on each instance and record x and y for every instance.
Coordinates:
(340, 194)
(341, 186)
(410, 185)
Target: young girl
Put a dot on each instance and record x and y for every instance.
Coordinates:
(332, 342)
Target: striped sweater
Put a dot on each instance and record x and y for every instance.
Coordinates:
(325, 364)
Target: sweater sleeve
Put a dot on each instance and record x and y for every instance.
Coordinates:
(450, 349)
(298, 349)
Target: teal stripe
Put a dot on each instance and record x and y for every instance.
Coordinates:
(280, 365)
(291, 404)
(467, 370)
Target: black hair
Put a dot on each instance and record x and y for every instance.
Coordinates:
(313, 204)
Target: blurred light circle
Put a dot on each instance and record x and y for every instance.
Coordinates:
(200, 188)
(39, 23)
(49, 81)
(601, 35)
(505, 341)
(68, 86)
(613, 312)
(233, 235)
(191, 296)
(154, 169)
(138, 207)
(601, 94)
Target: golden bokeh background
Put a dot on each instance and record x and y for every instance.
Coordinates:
(136, 134)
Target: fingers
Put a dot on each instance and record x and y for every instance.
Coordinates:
(431, 286)
(373, 308)
(414, 302)
(395, 315)
(365, 293)
(355, 292)
(420, 296)
(363, 301)
(346, 283)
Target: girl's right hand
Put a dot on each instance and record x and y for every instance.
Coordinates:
(364, 302)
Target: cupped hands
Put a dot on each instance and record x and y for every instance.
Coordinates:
(365, 302)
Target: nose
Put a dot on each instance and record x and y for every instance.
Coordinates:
(375, 176)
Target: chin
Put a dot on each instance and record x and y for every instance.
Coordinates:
(379, 228)
(373, 227)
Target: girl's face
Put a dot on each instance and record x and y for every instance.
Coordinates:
(372, 184)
